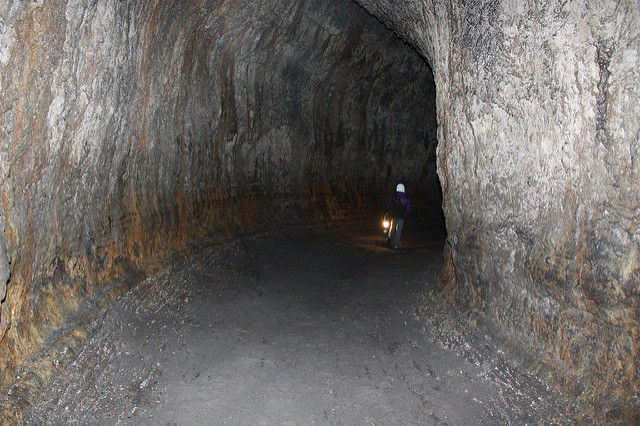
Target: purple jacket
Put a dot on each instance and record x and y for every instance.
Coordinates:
(404, 200)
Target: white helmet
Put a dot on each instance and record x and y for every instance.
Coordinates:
(400, 188)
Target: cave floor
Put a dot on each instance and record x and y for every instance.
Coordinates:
(312, 325)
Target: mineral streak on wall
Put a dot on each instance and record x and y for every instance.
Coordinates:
(129, 129)
(539, 158)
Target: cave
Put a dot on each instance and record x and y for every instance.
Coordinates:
(217, 171)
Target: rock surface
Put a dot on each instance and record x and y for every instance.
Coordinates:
(129, 129)
(539, 135)
(322, 325)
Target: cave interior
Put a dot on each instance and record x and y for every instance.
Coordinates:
(132, 134)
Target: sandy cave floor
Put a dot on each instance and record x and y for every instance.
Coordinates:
(313, 325)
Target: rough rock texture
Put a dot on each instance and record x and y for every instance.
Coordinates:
(539, 139)
(129, 129)
(5, 266)
(322, 325)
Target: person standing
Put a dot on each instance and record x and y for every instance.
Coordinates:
(398, 208)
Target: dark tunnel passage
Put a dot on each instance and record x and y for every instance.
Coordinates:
(191, 197)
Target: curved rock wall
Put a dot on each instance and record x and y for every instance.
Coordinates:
(129, 129)
(539, 134)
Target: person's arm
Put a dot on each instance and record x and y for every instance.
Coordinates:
(408, 208)
(389, 204)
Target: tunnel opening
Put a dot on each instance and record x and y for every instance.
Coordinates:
(134, 134)
(188, 122)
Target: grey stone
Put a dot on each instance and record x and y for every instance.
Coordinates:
(538, 139)
(130, 129)
(5, 267)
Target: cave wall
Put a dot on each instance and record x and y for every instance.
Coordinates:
(539, 139)
(129, 129)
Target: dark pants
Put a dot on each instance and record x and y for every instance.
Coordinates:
(395, 232)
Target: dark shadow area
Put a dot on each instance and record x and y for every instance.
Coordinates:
(216, 121)
(419, 233)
